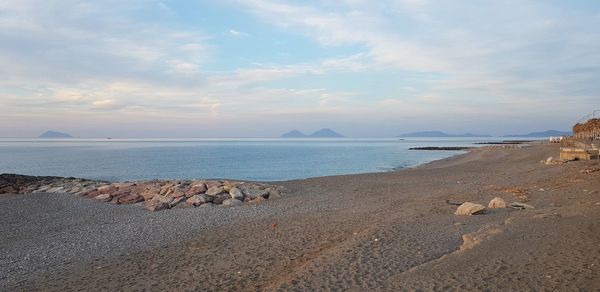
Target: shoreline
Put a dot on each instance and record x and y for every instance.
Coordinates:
(392, 228)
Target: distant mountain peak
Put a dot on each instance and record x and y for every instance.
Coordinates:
(326, 133)
(294, 134)
(54, 134)
(323, 133)
(549, 133)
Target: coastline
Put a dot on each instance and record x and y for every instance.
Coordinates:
(384, 230)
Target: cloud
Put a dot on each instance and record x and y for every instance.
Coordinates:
(379, 62)
(106, 104)
(235, 33)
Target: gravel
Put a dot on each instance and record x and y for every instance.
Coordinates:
(43, 232)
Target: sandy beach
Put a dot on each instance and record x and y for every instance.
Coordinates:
(382, 231)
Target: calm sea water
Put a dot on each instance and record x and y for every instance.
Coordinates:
(246, 159)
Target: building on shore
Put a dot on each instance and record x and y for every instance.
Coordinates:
(585, 143)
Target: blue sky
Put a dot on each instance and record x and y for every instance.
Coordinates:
(258, 68)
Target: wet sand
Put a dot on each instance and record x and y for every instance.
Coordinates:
(383, 231)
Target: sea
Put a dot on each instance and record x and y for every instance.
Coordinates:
(232, 158)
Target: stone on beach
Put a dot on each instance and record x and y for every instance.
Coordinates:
(198, 200)
(468, 208)
(176, 201)
(496, 203)
(235, 193)
(131, 199)
(254, 191)
(232, 202)
(8, 190)
(103, 197)
(215, 191)
(158, 203)
(219, 199)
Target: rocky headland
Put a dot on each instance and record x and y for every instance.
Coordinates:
(155, 195)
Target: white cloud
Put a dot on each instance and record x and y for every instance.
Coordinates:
(235, 33)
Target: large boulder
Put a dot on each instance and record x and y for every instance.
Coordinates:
(198, 200)
(196, 189)
(232, 202)
(254, 191)
(468, 208)
(131, 199)
(215, 191)
(219, 199)
(176, 201)
(8, 190)
(158, 203)
(228, 185)
(103, 197)
(235, 193)
(106, 188)
(496, 203)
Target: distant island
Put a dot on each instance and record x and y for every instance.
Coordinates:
(323, 133)
(437, 134)
(54, 134)
(549, 133)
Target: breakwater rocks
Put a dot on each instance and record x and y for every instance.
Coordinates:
(440, 148)
(156, 195)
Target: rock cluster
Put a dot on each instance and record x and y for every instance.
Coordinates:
(155, 194)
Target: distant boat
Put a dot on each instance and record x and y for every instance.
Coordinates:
(109, 138)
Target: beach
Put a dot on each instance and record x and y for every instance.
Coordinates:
(376, 231)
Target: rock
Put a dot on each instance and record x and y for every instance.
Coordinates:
(105, 188)
(215, 191)
(198, 200)
(162, 199)
(103, 197)
(227, 186)
(196, 190)
(220, 198)
(232, 202)
(213, 183)
(8, 190)
(273, 193)
(194, 201)
(158, 203)
(235, 193)
(91, 194)
(117, 196)
(150, 192)
(131, 199)
(468, 208)
(497, 203)
(176, 201)
(254, 191)
(176, 193)
(55, 190)
(521, 206)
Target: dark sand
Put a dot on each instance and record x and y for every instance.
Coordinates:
(385, 231)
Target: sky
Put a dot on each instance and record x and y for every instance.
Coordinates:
(259, 68)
